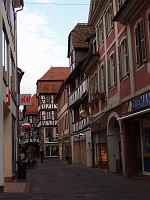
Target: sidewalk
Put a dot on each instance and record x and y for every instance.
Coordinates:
(56, 179)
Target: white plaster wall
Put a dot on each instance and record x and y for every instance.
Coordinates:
(7, 144)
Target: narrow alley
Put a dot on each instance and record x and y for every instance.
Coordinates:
(56, 179)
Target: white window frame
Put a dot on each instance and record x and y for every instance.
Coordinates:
(112, 70)
(109, 19)
(123, 58)
(102, 79)
(140, 43)
(100, 34)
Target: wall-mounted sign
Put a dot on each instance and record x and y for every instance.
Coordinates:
(139, 102)
(24, 99)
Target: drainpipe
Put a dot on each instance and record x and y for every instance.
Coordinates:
(18, 80)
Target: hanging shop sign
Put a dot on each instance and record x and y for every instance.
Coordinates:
(24, 99)
(139, 102)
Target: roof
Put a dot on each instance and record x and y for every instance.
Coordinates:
(33, 108)
(51, 81)
(56, 73)
(80, 33)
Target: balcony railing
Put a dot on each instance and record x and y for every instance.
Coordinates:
(78, 92)
(81, 124)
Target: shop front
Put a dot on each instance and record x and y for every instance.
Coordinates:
(99, 141)
(51, 150)
(136, 130)
(82, 148)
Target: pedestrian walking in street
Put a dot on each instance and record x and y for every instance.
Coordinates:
(42, 155)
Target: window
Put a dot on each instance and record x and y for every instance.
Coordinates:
(47, 99)
(94, 46)
(102, 79)
(95, 82)
(5, 56)
(48, 133)
(112, 71)
(48, 115)
(34, 134)
(91, 88)
(108, 19)
(34, 119)
(140, 44)
(123, 58)
(72, 60)
(100, 34)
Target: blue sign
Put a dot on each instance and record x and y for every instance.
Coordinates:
(139, 102)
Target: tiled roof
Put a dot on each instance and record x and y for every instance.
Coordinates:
(49, 86)
(52, 79)
(56, 73)
(80, 33)
(33, 108)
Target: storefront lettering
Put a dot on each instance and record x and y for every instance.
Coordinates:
(139, 102)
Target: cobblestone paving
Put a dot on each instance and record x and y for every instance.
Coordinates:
(55, 179)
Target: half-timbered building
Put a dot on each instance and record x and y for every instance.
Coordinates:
(78, 94)
(47, 88)
(29, 138)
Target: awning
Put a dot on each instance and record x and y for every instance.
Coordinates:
(134, 114)
(26, 126)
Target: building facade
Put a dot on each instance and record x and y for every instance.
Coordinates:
(120, 120)
(63, 122)
(29, 139)
(47, 88)
(9, 85)
(78, 94)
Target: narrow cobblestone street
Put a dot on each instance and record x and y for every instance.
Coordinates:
(56, 179)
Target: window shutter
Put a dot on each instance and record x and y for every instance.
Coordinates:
(126, 54)
(115, 69)
(104, 77)
(137, 47)
(109, 78)
(111, 15)
(120, 64)
(143, 46)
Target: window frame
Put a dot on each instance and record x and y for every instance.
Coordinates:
(100, 34)
(140, 43)
(109, 19)
(123, 55)
(112, 74)
(102, 78)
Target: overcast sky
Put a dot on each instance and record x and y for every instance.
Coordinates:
(43, 29)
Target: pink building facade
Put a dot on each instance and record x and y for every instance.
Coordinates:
(120, 118)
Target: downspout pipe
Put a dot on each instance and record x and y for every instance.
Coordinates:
(17, 81)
